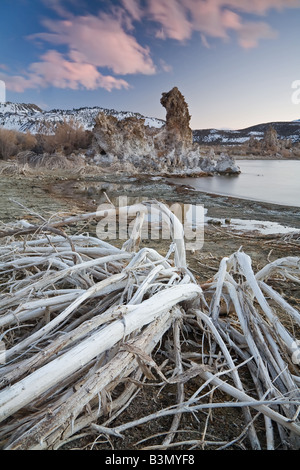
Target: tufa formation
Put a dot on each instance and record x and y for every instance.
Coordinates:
(129, 145)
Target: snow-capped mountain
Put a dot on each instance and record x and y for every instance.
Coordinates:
(14, 115)
(285, 130)
(29, 117)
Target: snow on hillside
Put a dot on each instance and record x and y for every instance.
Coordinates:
(13, 115)
(27, 117)
(224, 137)
(285, 130)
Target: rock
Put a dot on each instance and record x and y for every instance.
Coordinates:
(121, 138)
(270, 141)
(208, 164)
(214, 222)
(129, 145)
(253, 142)
(271, 144)
(226, 165)
(177, 127)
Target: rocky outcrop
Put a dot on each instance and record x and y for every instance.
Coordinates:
(271, 144)
(178, 134)
(122, 138)
(130, 144)
(226, 165)
(270, 141)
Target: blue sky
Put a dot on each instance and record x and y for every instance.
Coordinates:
(234, 61)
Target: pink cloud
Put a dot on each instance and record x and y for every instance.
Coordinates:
(179, 19)
(107, 40)
(165, 66)
(213, 18)
(16, 83)
(59, 72)
(133, 8)
(101, 41)
(251, 33)
(93, 42)
(55, 70)
(172, 17)
(59, 7)
(258, 7)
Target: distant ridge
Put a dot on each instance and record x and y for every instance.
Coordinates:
(29, 117)
(285, 130)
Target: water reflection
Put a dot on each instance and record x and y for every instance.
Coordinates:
(270, 181)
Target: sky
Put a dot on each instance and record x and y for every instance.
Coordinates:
(237, 62)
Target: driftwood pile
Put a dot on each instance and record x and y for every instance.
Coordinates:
(80, 320)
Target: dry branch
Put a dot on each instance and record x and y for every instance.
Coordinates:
(80, 320)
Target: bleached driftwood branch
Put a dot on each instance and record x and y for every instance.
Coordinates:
(79, 317)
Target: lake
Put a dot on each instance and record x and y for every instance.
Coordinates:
(273, 181)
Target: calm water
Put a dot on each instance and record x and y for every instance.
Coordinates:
(272, 181)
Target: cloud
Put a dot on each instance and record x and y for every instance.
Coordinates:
(251, 33)
(61, 6)
(99, 50)
(171, 15)
(179, 19)
(165, 67)
(55, 70)
(133, 8)
(220, 18)
(258, 7)
(101, 41)
(92, 43)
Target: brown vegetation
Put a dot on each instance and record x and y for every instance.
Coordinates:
(65, 137)
(13, 142)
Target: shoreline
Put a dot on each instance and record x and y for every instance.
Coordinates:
(265, 157)
(47, 196)
(218, 205)
(244, 198)
(86, 192)
(223, 206)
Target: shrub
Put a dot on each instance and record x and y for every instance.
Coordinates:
(26, 141)
(285, 153)
(8, 143)
(12, 142)
(66, 137)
